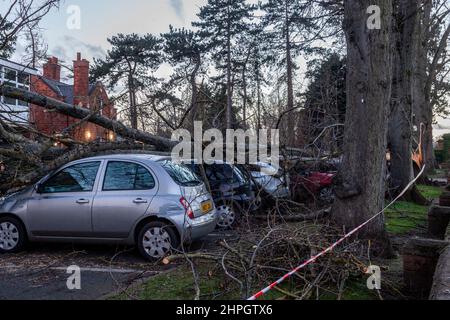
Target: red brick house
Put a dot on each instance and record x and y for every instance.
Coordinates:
(81, 93)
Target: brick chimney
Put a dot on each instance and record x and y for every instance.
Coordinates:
(52, 70)
(80, 81)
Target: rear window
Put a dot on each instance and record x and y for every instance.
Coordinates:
(225, 173)
(181, 174)
(220, 173)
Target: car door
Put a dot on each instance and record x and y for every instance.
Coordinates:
(123, 196)
(62, 205)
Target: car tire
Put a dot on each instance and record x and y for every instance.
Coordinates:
(229, 213)
(12, 235)
(156, 240)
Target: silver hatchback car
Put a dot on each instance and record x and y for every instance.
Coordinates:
(142, 200)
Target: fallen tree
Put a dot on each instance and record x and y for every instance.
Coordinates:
(26, 160)
(160, 143)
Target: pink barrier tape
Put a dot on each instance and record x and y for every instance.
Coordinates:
(330, 248)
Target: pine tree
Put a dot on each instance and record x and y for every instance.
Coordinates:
(132, 60)
(7, 40)
(288, 26)
(184, 50)
(325, 103)
(220, 24)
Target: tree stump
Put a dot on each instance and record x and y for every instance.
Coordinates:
(438, 220)
(420, 257)
(444, 199)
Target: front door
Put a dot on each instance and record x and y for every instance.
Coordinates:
(62, 206)
(124, 195)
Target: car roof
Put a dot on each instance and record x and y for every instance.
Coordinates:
(137, 156)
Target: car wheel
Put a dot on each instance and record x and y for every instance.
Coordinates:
(228, 215)
(12, 235)
(327, 195)
(156, 240)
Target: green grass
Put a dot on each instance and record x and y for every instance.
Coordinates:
(438, 173)
(404, 217)
(178, 284)
(355, 289)
(430, 192)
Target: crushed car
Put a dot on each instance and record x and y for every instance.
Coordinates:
(231, 188)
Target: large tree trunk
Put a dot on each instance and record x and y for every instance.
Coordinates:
(405, 41)
(119, 128)
(427, 117)
(421, 108)
(360, 195)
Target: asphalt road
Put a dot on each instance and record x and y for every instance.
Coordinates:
(40, 272)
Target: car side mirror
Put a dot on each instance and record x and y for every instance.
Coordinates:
(39, 188)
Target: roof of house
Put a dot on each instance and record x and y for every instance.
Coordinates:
(64, 90)
(18, 66)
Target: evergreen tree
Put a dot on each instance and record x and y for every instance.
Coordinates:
(289, 25)
(132, 60)
(220, 24)
(325, 103)
(7, 40)
(184, 50)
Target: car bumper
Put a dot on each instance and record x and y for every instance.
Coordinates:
(279, 193)
(200, 227)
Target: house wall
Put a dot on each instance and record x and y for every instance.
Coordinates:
(97, 95)
(42, 119)
(51, 123)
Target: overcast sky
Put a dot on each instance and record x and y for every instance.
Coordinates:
(101, 19)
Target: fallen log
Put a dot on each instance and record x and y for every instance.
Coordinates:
(441, 281)
(162, 144)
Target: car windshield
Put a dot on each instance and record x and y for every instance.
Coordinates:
(181, 174)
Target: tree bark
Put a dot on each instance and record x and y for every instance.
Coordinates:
(133, 107)
(194, 89)
(427, 116)
(404, 41)
(421, 108)
(119, 128)
(360, 194)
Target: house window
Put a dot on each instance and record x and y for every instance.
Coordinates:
(10, 75)
(14, 109)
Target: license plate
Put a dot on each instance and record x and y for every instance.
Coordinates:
(206, 206)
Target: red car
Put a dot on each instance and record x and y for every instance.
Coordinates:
(316, 185)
